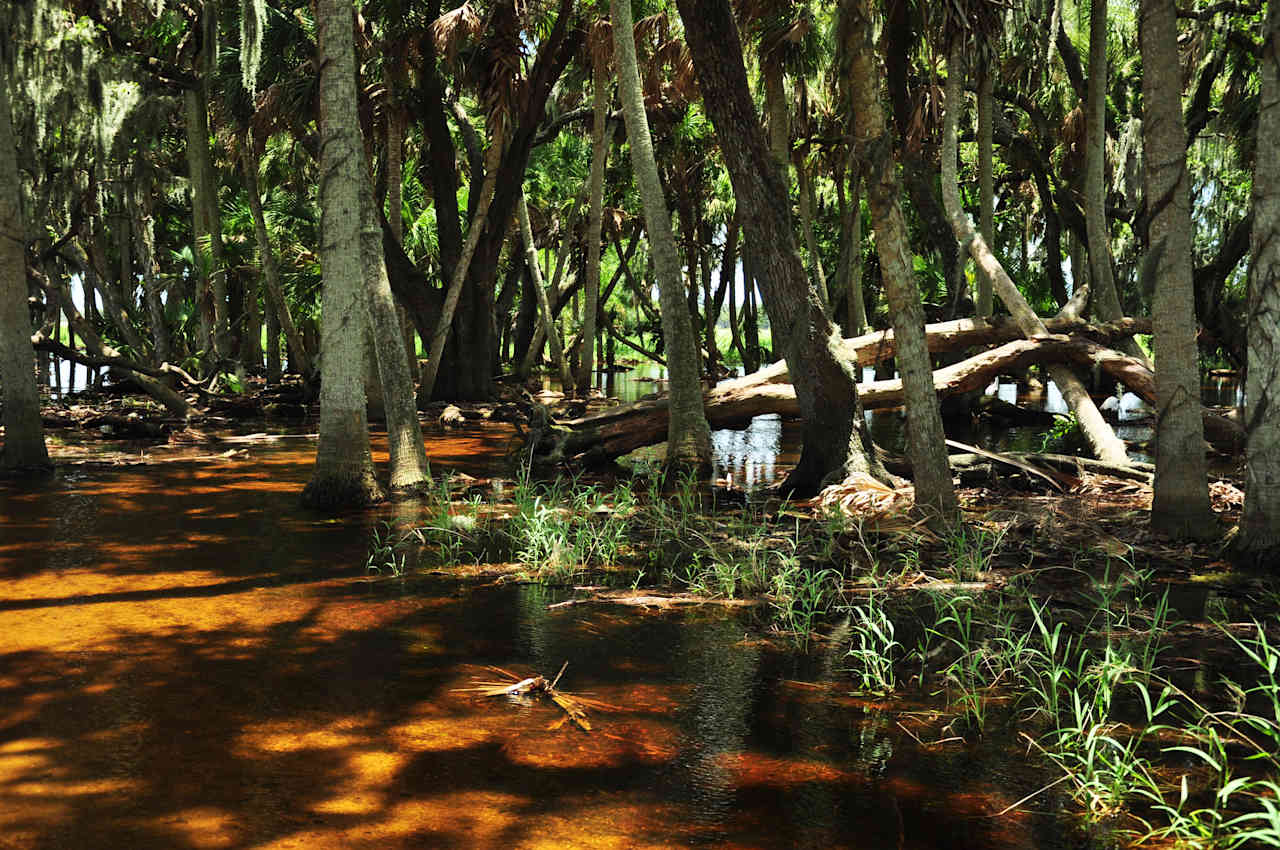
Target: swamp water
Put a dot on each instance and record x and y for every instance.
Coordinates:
(188, 660)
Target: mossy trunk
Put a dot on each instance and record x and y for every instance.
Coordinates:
(24, 446)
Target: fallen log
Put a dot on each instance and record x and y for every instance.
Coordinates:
(733, 403)
(872, 348)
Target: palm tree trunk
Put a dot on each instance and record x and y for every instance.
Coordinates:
(935, 496)
(837, 445)
(549, 331)
(343, 474)
(595, 220)
(1102, 440)
(1101, 271)
(986, 180)
(807, 204)
(152, 286)
(440, 335)
(24, 446)
(857, 306)
(298, 356)
(1180, 503)
(408, 456)
(1258, 543)
(210, 257)
(688, 437)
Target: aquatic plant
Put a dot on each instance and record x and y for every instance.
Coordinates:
(875, 649)
(383, 544)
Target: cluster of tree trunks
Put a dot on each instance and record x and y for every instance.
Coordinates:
(732, 404)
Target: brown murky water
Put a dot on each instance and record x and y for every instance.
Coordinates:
(189, 660)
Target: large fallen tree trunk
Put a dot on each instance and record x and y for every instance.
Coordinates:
(732, 404)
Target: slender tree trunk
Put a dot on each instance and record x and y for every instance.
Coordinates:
(152, 286)
(395, 198)
(273, 348)
(476, 228)
(595, 220)
(1258, 542)
(935, 497)
(1101, 272)
(986, 180)
(857, 306)
(750, 317)
(1180, 504)
(1102, 440)
(807, 204)
(549, 331)
(408, 456)
(299, 359)
(24, 447)
(343, 474)
(96, 347)
(212, 294)
(688, 437)
(837, 445)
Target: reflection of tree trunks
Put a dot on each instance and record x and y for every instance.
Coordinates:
(735, 402)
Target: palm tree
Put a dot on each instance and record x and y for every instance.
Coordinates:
(935, 496)
(1258, 543)
(837, 445)
(343, 474)
(688, 436)
(24, 446)
(598, 45)
(1180, 504)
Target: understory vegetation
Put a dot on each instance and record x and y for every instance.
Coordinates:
(1163, 730)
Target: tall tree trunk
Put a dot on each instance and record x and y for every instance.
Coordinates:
(24, 446)
(750, 316)
(95, 346)
(343, 474)
(857, 305)
(408, 456)
(688, 437)
(298, 356)
(807, 203)
(208, 250)
(1101, 272)
(935, 497)
(595, 220)
(549, 331)
(152, 286)
(986, 179)
(1102, 440)
(1258, 543)
(837, 444)
(1180, 504)
(395, 194)
(475, 229)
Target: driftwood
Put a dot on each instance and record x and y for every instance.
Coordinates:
(733, 403)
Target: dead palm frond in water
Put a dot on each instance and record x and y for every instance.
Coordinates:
(574, 707)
